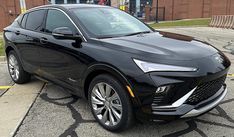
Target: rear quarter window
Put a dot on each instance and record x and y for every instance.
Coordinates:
(23, 22)
(35, 20)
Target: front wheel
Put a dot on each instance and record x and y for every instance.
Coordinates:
(110, 103)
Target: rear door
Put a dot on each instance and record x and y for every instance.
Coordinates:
(27, 39)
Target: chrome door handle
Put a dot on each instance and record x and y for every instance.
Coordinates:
(43, 40)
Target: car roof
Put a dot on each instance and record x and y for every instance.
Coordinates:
(69, 6)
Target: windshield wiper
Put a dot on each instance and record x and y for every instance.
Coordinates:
(137, 33)
(105, 37)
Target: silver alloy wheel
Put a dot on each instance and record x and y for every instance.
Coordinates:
(106, 104)
(13, 67)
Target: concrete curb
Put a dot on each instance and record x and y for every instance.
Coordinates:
(2, 58)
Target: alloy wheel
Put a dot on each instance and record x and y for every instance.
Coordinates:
(106, 104)
(13, 67)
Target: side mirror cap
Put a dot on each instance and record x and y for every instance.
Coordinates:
(65, 33)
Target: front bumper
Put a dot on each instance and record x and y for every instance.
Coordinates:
(187, 94)
(179, 109)
(201, 110)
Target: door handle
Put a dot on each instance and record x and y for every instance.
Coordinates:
(17, 32)
(43, 40)
(29, 39)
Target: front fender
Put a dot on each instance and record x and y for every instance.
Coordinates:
(100, 68)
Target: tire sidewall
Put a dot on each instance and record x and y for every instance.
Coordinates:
(126, 107)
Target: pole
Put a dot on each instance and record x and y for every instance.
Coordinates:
(138, 7)
(22, 6)
(157, 12)
(173, 4)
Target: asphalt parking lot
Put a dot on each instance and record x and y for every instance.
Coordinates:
(57, 113)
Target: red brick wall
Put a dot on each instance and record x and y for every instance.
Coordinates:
(8, 11)
(2, 18)
(14, 6)
(183, 9)
(34, 3)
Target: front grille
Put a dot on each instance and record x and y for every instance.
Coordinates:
(206, 90)
(158, 100)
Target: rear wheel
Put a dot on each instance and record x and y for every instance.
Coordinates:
(110, 103)
(15, 68)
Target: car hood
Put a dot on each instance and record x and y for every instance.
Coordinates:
(163, 45)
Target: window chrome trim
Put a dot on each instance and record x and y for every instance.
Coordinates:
(53, 8)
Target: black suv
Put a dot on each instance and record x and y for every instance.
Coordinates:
(123, 67)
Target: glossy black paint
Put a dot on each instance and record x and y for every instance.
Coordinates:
(72, 64)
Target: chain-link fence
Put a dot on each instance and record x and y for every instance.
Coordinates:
(145, 10)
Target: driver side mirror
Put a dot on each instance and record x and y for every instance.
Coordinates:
(65, 33)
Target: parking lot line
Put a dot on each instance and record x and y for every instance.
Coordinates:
(5, 87)
(231, 75)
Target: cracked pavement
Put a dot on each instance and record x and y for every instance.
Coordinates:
(58, 113)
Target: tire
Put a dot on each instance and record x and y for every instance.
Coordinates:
(16, 70)
(125, 113)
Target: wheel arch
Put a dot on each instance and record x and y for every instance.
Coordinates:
(99, 69)
(8, 49)
(13, 48)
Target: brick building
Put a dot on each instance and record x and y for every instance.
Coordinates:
(10, 9)
(185, 9)
(168, 9)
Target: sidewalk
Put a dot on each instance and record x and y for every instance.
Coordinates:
(2, 58)
(15, 104)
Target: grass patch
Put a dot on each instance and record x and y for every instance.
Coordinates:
(1, 46)
(181, 23)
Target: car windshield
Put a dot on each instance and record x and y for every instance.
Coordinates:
(109, 22)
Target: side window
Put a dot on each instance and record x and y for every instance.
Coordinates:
(57, 19)
(35, 20)
(23, 22)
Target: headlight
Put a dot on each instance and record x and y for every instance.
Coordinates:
(149, 67)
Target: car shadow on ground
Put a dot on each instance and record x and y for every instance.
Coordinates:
(81, 114)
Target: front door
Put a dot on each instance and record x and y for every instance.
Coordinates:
(60, 59)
